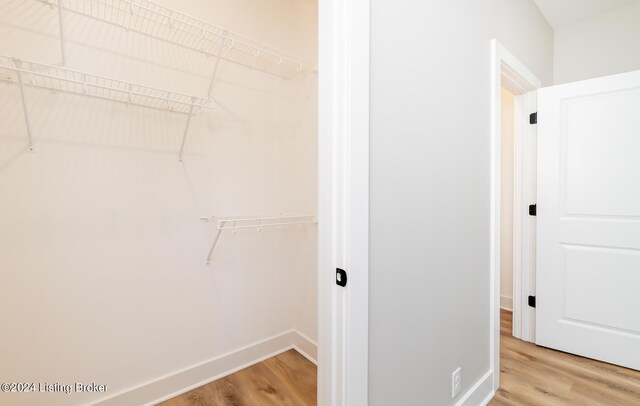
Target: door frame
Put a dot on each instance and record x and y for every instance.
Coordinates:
(343, 201)
(524, 225)
(507, 71)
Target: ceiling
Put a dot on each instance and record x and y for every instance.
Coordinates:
(560, 13)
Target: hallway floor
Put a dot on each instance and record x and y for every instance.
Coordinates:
(532, 375)
(287, 379)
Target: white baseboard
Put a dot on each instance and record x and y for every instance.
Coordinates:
(305, 346)
(185, 380)
(486, 400)
(506, 303)
(480, 394)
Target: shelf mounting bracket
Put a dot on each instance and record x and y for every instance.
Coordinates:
(18, 64)
(186, 128)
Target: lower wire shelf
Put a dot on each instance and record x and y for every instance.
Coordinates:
(234, 223)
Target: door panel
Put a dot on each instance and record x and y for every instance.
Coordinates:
(588, 240)
(599, 128)
(590, 276)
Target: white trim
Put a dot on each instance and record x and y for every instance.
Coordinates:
(343, 207)
(358, 205)
(524, 225)
(480, 393)
(506, 70)
(305, 346)
(518, 213)
(486, 400)
(506, 303)
(184, 380)
(327, 111)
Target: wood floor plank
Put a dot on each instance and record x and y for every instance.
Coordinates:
(537, 376)
(298, 376)
(287, 379)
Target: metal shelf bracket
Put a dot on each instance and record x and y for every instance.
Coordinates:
(18, 64)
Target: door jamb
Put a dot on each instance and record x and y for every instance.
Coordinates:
(506, 71)
(343, 201)
(524, 225)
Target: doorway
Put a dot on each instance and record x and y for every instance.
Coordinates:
(515, 96)
(515, 81)
(168, 157)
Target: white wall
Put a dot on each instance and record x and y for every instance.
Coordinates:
(102, 253)
(506, 203)
(602, 45)
(430, 188)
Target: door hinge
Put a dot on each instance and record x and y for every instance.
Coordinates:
(341, 277)
(533, 209)
(532, 301)
(533, 118)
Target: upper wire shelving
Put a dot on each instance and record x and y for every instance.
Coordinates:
(55, 78)
(153, 20)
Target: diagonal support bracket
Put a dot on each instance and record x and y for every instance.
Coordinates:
(217, 63)
(58, 4)
(61, 25)
(18, 64)
(213, 246)
(216, 238)
(186, 128)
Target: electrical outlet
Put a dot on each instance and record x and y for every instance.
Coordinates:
(456, 382)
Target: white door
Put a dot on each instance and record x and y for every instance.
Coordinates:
(588, 219)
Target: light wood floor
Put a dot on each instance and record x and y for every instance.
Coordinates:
(532, 375)
(288, 379)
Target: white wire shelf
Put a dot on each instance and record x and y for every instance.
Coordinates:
(66, 80)
(159, 22)
(58, 79)
(234, 223)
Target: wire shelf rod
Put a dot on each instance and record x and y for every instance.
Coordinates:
(224, 227)
(257, 218)
(257, 223)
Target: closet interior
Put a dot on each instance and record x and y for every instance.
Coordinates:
(158, 183)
